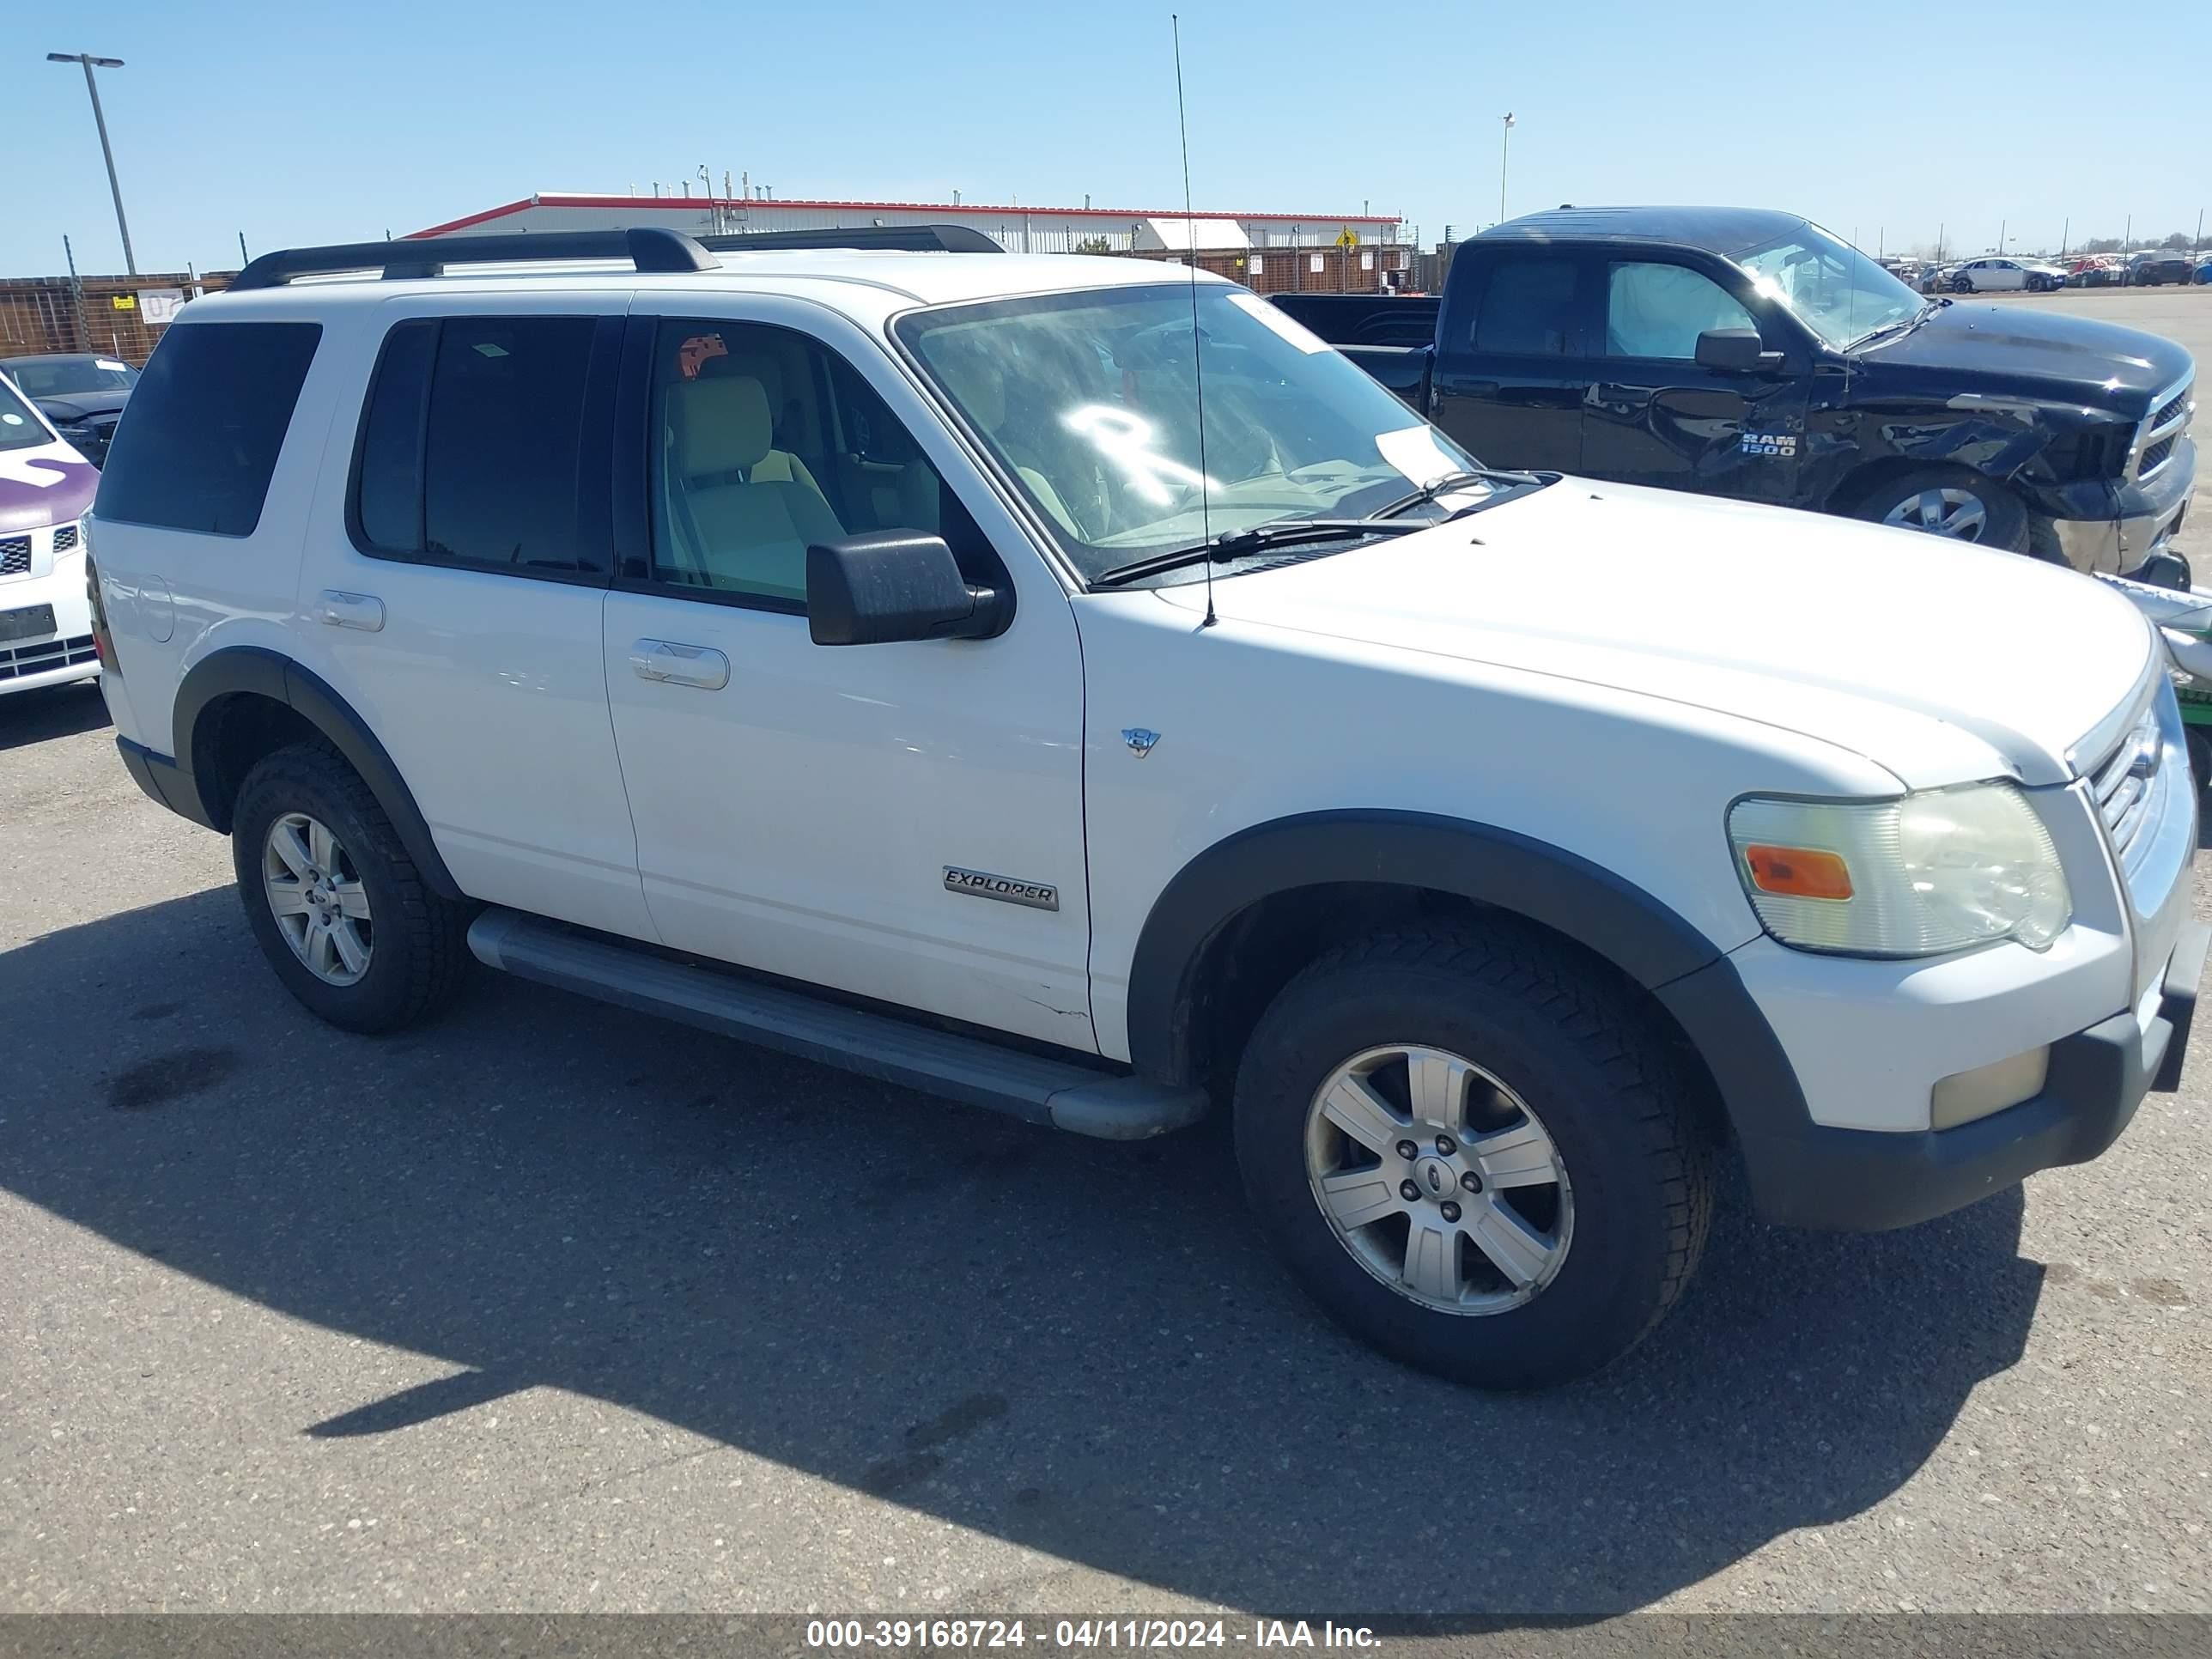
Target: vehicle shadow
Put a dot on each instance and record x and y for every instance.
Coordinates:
(55, 711)
(1075, 1346)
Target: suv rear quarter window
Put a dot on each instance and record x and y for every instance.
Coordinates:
(198, 445)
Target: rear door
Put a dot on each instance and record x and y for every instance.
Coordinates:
(457, 565)
(1655, 416)
(1511, 367)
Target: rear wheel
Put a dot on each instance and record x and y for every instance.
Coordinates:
(336, 904)
(1472, 1156)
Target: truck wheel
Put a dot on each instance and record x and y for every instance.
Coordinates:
(337, 905)
(1952, 502)
(1472, 1156)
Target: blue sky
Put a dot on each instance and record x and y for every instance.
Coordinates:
(299, 124)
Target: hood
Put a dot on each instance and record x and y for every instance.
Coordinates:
(81, 405)
(1939, 662)
(49, 484)
(2090, 362)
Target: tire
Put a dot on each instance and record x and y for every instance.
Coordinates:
(1989, 515)
(1962, 285)
(416, 945)
(1583, 1066)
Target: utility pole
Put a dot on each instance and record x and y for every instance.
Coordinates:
(77, 298)
(2128, 236)
(1938, 241)
(2065, 229)
(2001, 234)
(99, 120)
(1504, 149)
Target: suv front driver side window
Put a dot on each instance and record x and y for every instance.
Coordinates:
(763, 442)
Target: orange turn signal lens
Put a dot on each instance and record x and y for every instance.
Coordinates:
(1798, 871)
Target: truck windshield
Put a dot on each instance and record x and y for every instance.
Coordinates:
(1841, 296)
(1090, 403)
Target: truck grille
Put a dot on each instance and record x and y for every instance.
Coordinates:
(65, 539)
(14, 556)
(2156, 439)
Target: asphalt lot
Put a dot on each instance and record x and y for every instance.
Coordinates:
(548, 1307)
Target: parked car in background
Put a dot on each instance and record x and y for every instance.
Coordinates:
(2154, 268)
(2096, 270)
(45, 620)
(2204, 272)
(1993, 274)
(1935, 279)
(81, 392)
(1751, 354)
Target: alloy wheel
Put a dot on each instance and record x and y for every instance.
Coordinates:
(316, 895)
(1958, 513)
(1439, 1180)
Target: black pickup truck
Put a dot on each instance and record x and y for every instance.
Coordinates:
(1752, 355)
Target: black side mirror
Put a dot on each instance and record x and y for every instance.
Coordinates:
(1735, 351)
(896, 585)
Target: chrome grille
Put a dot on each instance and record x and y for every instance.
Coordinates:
(14, 556)
(2156, 438)
(2146, 800)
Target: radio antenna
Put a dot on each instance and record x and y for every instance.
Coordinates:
(1197, 357)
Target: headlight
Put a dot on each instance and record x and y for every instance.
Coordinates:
(1936, 872)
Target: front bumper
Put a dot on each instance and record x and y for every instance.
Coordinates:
(58, 654)
(2133, 521)
(1866, 1181)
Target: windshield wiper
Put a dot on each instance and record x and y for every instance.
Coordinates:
(1451, 481)
(1902, 324)
(1233, 544)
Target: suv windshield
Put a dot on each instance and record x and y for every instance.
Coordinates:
(1089, 401)
(1840, 294)
(20, 426)
(57, 377)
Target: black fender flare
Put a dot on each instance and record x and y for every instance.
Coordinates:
(257, 671)
(1647, 940)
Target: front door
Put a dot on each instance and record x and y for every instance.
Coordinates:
(1655, 416)
(1509, 375)
(813, 811)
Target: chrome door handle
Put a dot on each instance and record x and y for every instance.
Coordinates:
(361, 611)
(672, 663)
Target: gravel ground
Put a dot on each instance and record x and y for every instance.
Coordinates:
(547, 1307)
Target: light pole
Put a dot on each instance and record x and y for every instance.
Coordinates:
(90, 63)
(1504, 148)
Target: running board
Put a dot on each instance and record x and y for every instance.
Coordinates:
(1086, 1099)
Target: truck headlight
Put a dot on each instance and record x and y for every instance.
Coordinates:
(1937, 871)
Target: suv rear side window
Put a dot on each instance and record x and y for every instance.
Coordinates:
(205, 423)
(1528, 308)
(472, 442)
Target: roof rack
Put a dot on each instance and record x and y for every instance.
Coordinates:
(650, 248)
(910, 238)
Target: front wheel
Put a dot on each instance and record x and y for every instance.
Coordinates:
(1951, 502)
(1472, 1155)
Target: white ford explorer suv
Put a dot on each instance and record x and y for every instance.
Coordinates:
(874, 655)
